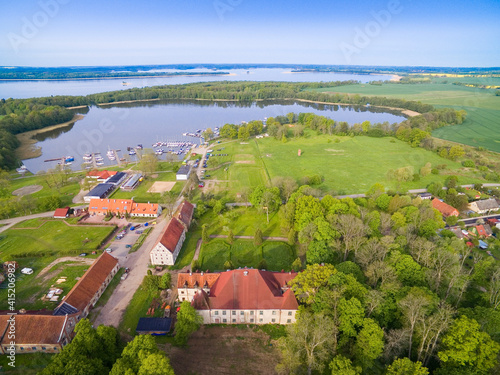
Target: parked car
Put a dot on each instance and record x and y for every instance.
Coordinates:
(138, 232)
(132, 228)
(128, 246)
(109, 250)
(201, 184)
(27, 271)
(83, 255)
(124, 276)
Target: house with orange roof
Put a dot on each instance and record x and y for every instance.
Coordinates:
(123, 206)
(89, 288)
(170, 242)
(445, 209)
(188, 284)
(242, 296)
(35, 333)
(101, 176)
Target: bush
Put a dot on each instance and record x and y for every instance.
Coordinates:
(435, 171)
(469, 164)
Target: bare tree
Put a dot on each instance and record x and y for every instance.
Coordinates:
(353, 232)
(396, 341)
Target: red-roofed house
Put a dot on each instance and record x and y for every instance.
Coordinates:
(445, 209)
(169, 244)
(90, 287)
(188, 284)
(243, 296)
(123, 206)
(101, 176)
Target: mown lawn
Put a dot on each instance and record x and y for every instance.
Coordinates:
(243, 253)
(140, 194)
(26, 364)
(52, 238)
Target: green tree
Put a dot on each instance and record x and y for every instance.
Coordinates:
(404, 366)
(297, 265)
(148, 164)
(165, 280)
(188, 321)
(257, 239)
(309, 343)
(341, 365)
(208, 134)
(243, 133)
(307, 283)
(369, 343)
(466, 346)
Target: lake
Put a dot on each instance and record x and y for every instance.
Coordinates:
(29, 89)
(127, 125)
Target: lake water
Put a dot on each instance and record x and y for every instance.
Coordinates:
(126, 125)
(29, 89)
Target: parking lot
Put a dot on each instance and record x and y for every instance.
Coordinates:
(121, 246)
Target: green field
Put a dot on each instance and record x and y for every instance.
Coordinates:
(243, 253)
(26, 364)
(482, 127)
(349, 165)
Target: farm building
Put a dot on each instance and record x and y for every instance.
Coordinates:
(89, 288)
(484, 206)
(132, 182)
(183, 173)
(425, 195)
(445, 209)
(36, 333)
(122, 207)
(153, 326)
(169, 245)
(242, 296)
(99, 192)
(61, 213)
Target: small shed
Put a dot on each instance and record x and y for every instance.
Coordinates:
(61, 213)
(183, 173)
(154, 326)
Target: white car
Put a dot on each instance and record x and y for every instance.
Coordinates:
(109, 250)
(27, 271)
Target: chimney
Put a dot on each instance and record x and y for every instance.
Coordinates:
(190, 273)
(201, 273)
(245, 273)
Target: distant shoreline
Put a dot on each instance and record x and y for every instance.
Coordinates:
(120, 77)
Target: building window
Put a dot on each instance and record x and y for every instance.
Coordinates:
(261, 312)
(251, 312)
(289, 320)
(22, 348)
(234, 312)
(234, 320)
(224, 320)
(242, 313)
(261, 320)
(44, 348)
(251, 320)
(224, 312)
(216, 313)
(55, 348)
(33, 347)
(273, 320)
(289, 313)
(182, 292)
(274, 312)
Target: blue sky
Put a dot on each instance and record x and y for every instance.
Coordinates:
(358, 32)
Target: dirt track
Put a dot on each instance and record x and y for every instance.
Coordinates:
(65, 259)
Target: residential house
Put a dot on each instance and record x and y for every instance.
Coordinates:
(122, 207)
(188, 284)
(425, 195)
(244, 296)
(35, 333)
(445, 209)
(484, 206)
(89, 288)
(170, 242)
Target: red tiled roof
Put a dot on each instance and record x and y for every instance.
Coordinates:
(102, 175)
(35, 329)
(481, 231)
(250, 289)
(122, 206)
(61, 212)
(172, 234)
(196, 280)
(185, 213)
(90, 283)
(445, 209)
